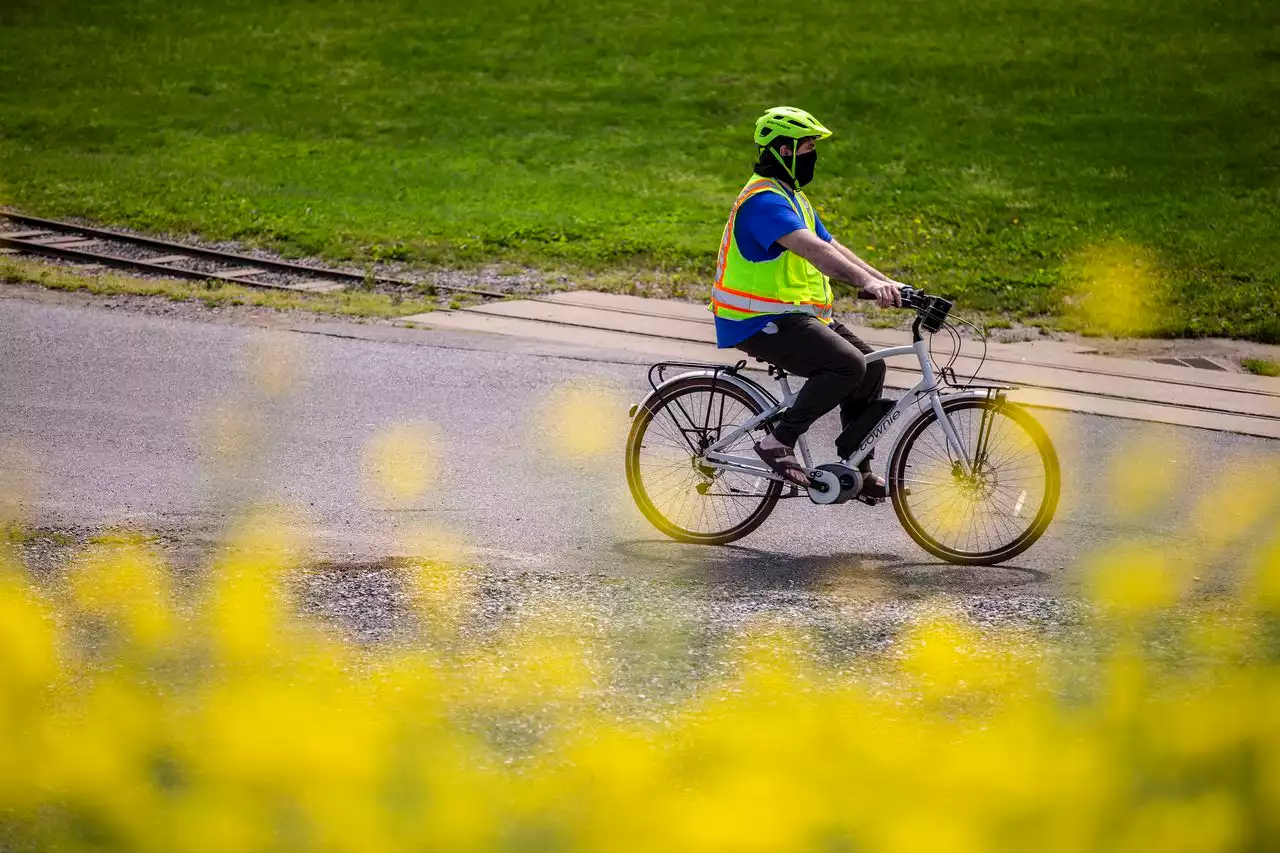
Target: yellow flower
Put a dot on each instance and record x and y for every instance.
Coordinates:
(401, 462)
(1133, 579)
(121, 581)
(582, 419)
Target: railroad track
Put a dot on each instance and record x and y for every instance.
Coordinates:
(104, 248)
(100, 247)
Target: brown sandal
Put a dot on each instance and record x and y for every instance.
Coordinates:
(782, 461)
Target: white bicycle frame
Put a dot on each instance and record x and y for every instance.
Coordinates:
(715, 457)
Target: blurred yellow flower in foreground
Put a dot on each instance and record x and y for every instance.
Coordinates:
(1145, 471)
(248, 608)
(401, 462)
(120, 581)
(582, 419)
(1116, 289)
(1134, 579)
(272, 360)
(27, 654)
(220, 718)
(1266, 572)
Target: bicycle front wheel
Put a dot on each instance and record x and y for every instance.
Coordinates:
(995, 511)
(682, 497)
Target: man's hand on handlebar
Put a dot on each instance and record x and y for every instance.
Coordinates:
(887, 294)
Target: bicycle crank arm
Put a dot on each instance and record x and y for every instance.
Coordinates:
(746, 464)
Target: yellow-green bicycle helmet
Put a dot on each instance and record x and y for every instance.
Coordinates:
(787, 123)
(790, 123)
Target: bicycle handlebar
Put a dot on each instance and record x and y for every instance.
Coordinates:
(914, 297)
(910, 295)
(931, 311)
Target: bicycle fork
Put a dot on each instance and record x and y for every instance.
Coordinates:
(953, 438)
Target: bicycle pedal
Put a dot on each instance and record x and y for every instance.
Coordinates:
(868, 500)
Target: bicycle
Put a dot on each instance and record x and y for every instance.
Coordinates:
(973, 477)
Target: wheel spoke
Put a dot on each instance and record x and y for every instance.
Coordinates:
(663, 465)
(992, 509)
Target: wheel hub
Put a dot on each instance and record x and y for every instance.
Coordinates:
(980, 482)
(704, 469)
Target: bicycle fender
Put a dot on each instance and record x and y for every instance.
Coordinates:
(948, 401)
(751, 387)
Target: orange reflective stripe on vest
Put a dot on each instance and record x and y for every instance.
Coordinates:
(739, 301)
(747, 192)
(786, 284)
(736, 301)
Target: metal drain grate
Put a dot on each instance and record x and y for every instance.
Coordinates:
(1191, 361)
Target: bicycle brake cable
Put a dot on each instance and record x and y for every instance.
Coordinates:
(983, 337)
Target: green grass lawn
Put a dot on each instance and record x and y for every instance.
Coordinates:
(983, 148)
(1261, 366)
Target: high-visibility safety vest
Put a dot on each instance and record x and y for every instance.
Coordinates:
(787, 284)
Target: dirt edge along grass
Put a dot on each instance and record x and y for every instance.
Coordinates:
(352, 303)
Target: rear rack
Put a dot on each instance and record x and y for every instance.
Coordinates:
(661, 368)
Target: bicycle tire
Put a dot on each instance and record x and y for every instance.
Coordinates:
(900, 483)
(665, 402)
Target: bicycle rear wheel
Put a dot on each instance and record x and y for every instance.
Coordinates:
(1001, 507)
(681, 497)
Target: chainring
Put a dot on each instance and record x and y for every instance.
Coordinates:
(842, 483)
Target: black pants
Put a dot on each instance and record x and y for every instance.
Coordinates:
(830, 359)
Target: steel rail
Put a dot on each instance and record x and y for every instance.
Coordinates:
(132, 264)
(266, 264)
(322, 274)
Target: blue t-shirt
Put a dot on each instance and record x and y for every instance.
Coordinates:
(761, 220)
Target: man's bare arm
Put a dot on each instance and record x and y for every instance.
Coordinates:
(848, 253)
(834, 264)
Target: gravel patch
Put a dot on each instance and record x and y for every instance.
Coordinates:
(127, 250)
(663, 637)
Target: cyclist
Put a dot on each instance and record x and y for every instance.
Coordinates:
(772, 295)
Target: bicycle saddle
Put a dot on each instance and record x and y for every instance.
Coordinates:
(774, 370)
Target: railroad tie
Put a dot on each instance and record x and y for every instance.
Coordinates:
(71, 244)
(318, 286)
(64, 240)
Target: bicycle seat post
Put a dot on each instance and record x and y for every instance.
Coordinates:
(788, 396)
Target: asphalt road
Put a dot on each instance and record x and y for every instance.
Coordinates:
(174, 425)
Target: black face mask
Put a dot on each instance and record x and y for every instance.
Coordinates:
(804, 167)
(771, 167)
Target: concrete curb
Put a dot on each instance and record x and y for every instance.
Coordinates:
(1050, 374)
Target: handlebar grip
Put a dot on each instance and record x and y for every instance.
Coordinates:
(912, 297)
